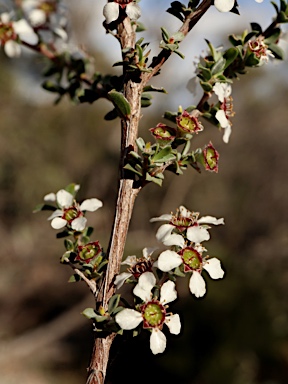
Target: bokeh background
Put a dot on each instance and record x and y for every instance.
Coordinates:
(238, 333)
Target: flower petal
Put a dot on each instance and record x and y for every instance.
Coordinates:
(79, 223)
(168, 292)
(197, 284)
(145, 284)
(56, 213)
(227, 134)
(173, 323)
(210, 220)
(5, 17)
(174, 239)
(168, 260)
(130, 260)
(224, 5)
(91, 205)
(165, 217)
(25, 32)
(164, 231)
(133, 11)
(213, 267)
(37, 17)
(184, 211)
(111, 12)
(120, 279)
(148, 251)
(197, 234)
(64, 198)
(12, 49)
(50, 197)
(58, 223)
(128, 318)
(222, 90)
(157, 341)
(221, 117)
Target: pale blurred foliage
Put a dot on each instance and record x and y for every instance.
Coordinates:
(238, 333)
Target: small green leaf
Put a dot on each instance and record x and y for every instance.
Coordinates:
(69, 245)
(140, 27)
(113, 303)
(111, 115)
(206, 86)
(74, 278)
(129, 167)
(62, 234)
(52, 87)
(151, 88)
(88, 231)
(140, 143)
(179, 54)
(230, 55)
(256, 27)
(153, 179)
(273, 37)
(89, 313)
(71, 188)
(164, 155)
(219, 66)
(277, 51)
(165, 34)
(121, 103)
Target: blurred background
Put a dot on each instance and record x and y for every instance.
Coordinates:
(236, 334)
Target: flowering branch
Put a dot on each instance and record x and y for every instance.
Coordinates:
(153, 277)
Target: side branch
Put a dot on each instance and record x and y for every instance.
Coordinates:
(190, 21)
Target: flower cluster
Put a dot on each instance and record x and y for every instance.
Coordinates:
(15, 32)
(69, 212)
(47, 17)
(184, 232)
(69, 216)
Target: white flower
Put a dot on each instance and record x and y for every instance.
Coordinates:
(46, 14)
(192, 260)
(260, 50)
(69, 212)
(111, 11)
(11, 31)
(136, 266)
(152, 312)
(188, 224)
(223, 91)
(227, 5)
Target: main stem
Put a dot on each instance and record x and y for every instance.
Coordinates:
(123, 210)
(126, 192)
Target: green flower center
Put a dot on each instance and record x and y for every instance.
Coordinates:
(162, 132)
(191, 258)
(70, 214)
(211, 158)
(187, 123)
(88, 251)
(153, 314)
